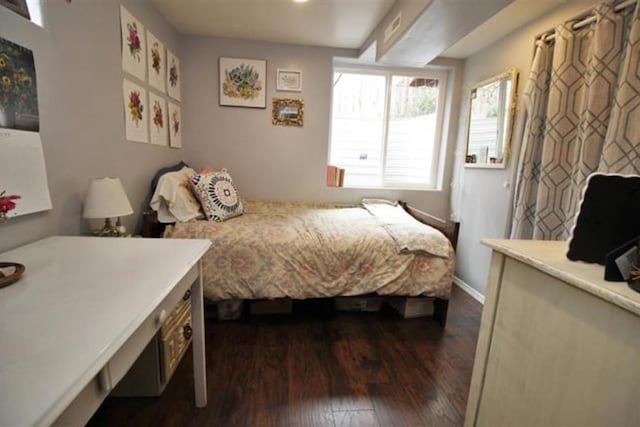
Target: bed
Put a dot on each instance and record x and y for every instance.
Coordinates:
(303, 250)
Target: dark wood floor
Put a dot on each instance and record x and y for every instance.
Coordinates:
(314, 369)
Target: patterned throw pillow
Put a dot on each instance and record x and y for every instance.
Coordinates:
(218, 196)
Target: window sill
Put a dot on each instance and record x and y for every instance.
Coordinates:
(390, 188)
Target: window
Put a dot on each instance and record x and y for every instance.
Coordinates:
(386, 127)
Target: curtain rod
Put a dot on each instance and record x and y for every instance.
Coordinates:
(586, 21)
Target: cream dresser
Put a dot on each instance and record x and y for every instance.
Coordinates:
(558, 345)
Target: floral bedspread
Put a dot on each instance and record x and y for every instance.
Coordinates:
(302, 251)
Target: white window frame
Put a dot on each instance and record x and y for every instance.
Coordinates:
(389, 72)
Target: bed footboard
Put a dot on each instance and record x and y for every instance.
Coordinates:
(451, 230)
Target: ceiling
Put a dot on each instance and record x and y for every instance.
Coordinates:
(335, 23)
(509, 19)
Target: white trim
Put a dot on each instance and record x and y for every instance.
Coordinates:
(475, 294)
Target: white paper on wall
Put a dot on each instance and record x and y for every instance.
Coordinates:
(156, 61)
(134, 50)
(174, 76)
(23, 171)
(136, 112)
(175, 125)
(158, 122)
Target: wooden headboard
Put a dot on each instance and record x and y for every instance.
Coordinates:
(151, 227)
(450, 229)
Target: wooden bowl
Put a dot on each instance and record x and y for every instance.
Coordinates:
(11, 278)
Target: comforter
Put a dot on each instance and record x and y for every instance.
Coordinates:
(300, 251)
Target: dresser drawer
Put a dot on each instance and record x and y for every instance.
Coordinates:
(129, 352)
(175, 343)
(176, 314)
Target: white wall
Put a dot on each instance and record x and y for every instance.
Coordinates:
(276, 162)
(480, 201)
(79, 78)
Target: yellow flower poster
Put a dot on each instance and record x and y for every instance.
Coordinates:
(18, 90)
(136, 112)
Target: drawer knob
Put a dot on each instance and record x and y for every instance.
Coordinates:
(162, 317)
(187, 295)
(187, 332)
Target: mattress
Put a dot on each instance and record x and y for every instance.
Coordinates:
(300, 251)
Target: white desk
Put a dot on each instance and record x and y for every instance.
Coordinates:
(82, 313)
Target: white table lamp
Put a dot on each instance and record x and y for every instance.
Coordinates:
(106, 199)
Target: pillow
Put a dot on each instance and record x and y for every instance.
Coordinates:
(154, 184)
(173, 199)
(218, 196)
(207, 170)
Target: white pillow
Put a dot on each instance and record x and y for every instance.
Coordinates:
(173, 199)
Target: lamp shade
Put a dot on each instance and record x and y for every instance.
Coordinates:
(106, 199)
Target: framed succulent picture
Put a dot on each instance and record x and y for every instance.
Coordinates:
(243, 82)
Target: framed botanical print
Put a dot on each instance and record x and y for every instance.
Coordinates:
(134, 48)
(243, 82)
(157, 62)
(175, 127)
(158, 123)
(136, 112)
(174, 76)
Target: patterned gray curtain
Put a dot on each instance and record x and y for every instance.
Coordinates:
(582, 115)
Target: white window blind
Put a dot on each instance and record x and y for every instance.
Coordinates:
(386, 127)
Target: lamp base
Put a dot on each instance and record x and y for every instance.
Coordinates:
(108, 230)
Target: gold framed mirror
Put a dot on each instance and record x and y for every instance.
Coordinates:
(492, 105)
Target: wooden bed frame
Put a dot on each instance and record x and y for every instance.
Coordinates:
(451, 230)
(152, 228)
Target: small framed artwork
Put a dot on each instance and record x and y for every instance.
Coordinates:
(157, 62)
(243, 82)
(289, 80)
(134, 48)
(158, 123)
(175, 126)
(174, 76)
(288, 112)
(135, 112)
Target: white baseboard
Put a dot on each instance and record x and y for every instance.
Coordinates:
(468, 289)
